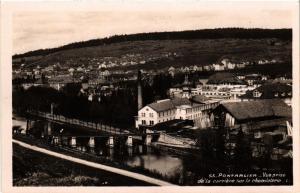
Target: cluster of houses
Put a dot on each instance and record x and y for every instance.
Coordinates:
(99, 69)
(229, 87)
(87, 65)
(253, 104)
(224, 64)
(99, 84)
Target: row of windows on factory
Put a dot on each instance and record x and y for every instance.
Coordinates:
(160, 114)
(166, 113)
(151, 122)
(216, 93)
(197, 115)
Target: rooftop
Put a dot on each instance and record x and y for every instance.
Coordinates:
(164, 105)
(200, 99)
(257, 109)
(224, 78)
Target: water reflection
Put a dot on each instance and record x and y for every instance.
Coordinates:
(163, 164)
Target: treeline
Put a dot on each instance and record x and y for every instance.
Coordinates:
(117, 109)
(219, 33)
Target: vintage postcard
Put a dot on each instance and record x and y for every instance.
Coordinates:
(159, 96)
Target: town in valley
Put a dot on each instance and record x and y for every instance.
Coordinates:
(203, 107)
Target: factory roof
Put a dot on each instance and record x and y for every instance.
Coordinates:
(257, 109)
(167, 104)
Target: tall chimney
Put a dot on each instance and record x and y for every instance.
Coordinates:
(140, 96)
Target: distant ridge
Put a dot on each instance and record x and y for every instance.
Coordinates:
(219, 33)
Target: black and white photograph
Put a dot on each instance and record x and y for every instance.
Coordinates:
(198, 95)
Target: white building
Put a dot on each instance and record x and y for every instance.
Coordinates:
(213, 91)
(218, 67)
(225, 91)
(167, 109)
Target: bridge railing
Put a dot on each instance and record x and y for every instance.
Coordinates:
(63, 119)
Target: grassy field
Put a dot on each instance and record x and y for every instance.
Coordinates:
(189, 52)
(31, 168)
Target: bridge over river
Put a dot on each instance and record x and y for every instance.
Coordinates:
(97, 129)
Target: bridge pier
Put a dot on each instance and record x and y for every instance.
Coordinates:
(91, 144)
(129, 141)
(73, 141)
(111, 141)
(82, 148)
(55, 140)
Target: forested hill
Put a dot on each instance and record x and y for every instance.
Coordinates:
(220, 33)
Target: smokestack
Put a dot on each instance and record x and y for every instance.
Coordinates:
(140, 97)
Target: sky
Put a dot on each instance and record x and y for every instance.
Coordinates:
(46, 29)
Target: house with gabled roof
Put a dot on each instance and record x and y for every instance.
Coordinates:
(266, 125)
(252, 115)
